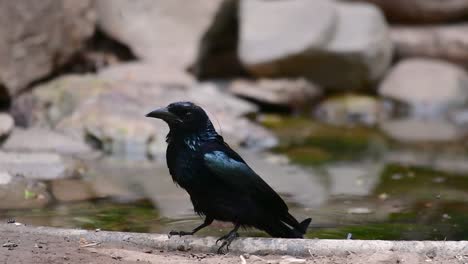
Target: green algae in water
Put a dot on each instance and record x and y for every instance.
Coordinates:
(119, 217)
(422, 183)
(310, 143)
(139, 216)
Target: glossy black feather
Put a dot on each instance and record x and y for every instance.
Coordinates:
(220, 183)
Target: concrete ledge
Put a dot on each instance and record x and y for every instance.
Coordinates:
(257, 246)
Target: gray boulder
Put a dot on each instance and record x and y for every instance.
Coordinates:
(36, 37)
(44, 140)
(427, 85)
(414, 130)
(162, 31)
(446, 42)
(337, 45)
(39, 166)
(110, 112)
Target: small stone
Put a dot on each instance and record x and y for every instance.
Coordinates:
(446, 216)
(439, 179)
(10, 245)
(383, 196)
(5, 177)
(359, 210)
(397, 176)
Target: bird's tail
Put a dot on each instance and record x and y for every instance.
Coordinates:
(304, 225)
(280, 229)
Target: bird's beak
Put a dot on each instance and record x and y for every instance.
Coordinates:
(164, 114)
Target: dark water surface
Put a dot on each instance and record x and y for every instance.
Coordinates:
(350, 181)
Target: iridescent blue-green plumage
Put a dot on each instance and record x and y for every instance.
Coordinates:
(220, 183)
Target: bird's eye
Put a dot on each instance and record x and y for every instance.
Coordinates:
(188, 113)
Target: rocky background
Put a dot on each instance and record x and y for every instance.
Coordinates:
(77, 77)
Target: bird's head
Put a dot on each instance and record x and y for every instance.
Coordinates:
(185, 116)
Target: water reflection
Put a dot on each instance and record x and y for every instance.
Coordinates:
(366, 184)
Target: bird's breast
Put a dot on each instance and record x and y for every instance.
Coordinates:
(184, 162)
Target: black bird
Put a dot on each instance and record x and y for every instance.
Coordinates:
(220, 183)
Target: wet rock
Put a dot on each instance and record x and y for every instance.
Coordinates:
(6, 125)
(348, 46)
(427, 85)
(72, 190)
(422, 11)
(43, 166)
(282, 92)
(164, 32)
(50, 102)
(21, 193)
(40, 37)
(350, 109)
(44, 140)
(446, 42)
(422, 130)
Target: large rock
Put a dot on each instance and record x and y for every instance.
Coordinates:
(6, 125)
(426, 85)
(446, 42)
(347, 47)
(282, 92)
(162, 31)
(44, 140)
(413, 130)
(111, 113)
(422, 11)
(20, 193)
(40, 166)
(337, 45)
(36, 37)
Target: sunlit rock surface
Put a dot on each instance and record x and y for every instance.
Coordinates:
(348, 47)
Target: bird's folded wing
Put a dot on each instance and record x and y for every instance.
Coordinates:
(241, 177)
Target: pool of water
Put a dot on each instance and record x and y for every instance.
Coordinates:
(353, 182)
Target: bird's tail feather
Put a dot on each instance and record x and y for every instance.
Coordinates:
(304, 225)
(279, 229)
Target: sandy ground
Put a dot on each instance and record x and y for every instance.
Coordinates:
(32, 248)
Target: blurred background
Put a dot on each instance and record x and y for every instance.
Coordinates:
(355, 111)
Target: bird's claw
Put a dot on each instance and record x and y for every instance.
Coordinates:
(179, 233)
(222, 238)
(227, 240)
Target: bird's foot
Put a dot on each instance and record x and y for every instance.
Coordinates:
(227, 240)
(179, 233)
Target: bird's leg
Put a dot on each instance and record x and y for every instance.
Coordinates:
(205, 223)
(227, 239)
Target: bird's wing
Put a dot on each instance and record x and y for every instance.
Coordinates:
(231, 169)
